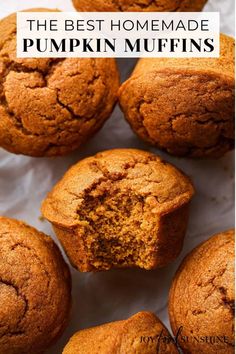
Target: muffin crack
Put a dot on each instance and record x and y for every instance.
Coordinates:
(45, 75)
(34, 289)
(201, 299)
(49, 106)
(21, 296)
(183, 106)
(219, 123)
(226, 300)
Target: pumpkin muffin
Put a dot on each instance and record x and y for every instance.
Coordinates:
(183, 105)
(35, 289)
(138, 5)
(120, 208)
(142, 333)
(50, 107)
(202, 297)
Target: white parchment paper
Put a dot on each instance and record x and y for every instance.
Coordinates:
(114, 295)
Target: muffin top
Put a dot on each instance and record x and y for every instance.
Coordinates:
(34, 289)
(223, 65)
(128, 170)
(139, 5)
(142, 333)
(202, 295)
(156, 102)
(50, 106)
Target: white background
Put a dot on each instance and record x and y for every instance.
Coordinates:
(113, 295)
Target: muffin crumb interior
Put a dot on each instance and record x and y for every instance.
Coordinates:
(120, 228)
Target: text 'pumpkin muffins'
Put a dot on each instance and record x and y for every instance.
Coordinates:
(142, 333)
(48, 106)
(120, 208)
(35, 289)
(201, 300)
(183, 105)
(138, 5)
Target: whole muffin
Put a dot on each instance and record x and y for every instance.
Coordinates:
(184, 106)
(35, 289)
(120, 208)
(201, 303)
(138, 5)
(142, 333)
(50, 107)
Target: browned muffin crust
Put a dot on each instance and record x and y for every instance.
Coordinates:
(202, 297)
(142, 333)
(35, 288)
(50, 107)
(184, 106)
(138, 5)
(120, 208)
